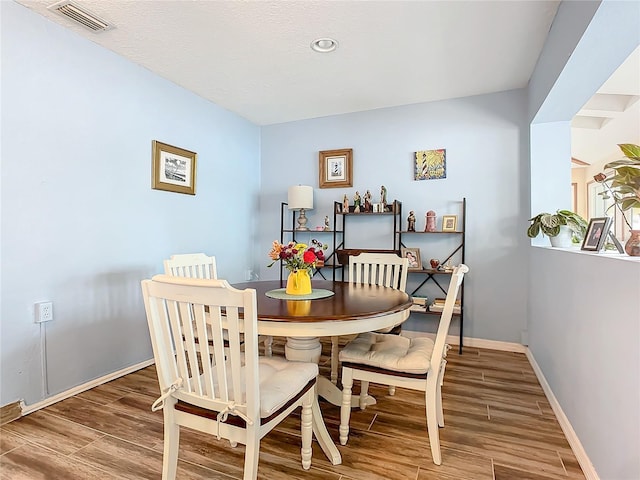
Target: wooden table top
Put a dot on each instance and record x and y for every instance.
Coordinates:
(349, 302)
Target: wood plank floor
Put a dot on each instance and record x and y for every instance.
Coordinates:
(498, 425)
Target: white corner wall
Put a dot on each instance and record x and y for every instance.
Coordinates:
(486, 141)
(584, 309)
(80, 223)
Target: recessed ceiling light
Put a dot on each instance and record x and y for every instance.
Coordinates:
(324, 45)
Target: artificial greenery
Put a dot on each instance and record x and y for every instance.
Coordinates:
(549, 224)
(624, 183)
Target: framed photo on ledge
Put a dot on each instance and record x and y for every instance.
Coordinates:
(597, 233)
(413, 254)
(173, 169)
(449, 223)
(335, 168)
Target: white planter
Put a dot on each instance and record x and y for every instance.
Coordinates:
(563, 239)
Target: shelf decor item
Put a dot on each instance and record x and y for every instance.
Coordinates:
(335, 168)
(413, 254)
(430, 221)
(449, 223)
(173, 169)
(300, 198)
(623, 185)
(300, 259)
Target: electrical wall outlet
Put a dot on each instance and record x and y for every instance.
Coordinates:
(44, 312)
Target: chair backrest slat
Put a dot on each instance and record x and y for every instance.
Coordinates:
(179, 310)
(191, 265)
(445, 318)
(383, 269)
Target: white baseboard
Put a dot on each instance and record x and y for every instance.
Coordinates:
(578, 450)
(26, 409)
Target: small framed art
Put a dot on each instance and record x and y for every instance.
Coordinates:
(597, 233)
(430, 164)
(413, 254)
(173, 169)
(449, 223)
(335, 168)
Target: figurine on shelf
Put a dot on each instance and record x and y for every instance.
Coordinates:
(356, 202)
(430, 225)
(434, 263)
(367, 201)
(411, 222)
(345, 204)
(383, 197)
(326, 223)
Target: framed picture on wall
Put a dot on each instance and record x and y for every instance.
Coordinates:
(173, 169)
(413, 254)
(597, 233)
(335, 168)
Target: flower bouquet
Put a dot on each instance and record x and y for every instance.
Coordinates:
(300, 259)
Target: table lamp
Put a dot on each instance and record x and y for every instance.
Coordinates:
(301, 198)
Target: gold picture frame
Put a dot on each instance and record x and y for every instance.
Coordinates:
(413, 254)
(335, 168)
(173, 169)
(449, 223)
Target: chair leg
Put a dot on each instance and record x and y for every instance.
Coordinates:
(334, 359)
(268, 344)
(364, 395)
(345, 408)
(432, 420)
(171, 443)
(306, 429)
(251, 454)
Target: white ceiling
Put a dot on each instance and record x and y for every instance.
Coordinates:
(253, 57)
(610, 117)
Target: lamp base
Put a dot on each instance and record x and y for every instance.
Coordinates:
(302, 221)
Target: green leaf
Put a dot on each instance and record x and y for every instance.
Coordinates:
(549, 221)
(533, 230)
(552, 232)
(630, 150)
(629, 202)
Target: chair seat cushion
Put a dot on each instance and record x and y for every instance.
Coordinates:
(280, 380)
(389, 352)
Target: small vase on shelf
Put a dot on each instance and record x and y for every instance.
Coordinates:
(299, 283)
(632, 247)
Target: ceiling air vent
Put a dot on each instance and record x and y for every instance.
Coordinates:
(80, 15)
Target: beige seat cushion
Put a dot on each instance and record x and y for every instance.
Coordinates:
(390, 352)
(280, 379)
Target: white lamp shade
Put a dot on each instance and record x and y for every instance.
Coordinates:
(300, 196)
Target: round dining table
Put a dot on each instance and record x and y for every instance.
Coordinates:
(346, 308)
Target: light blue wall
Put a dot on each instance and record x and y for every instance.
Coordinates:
(81, 225)
(486, 141)
(584, 321)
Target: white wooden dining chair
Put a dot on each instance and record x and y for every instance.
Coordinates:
(383, 269)
(191, 265)
(233, 394)
(200, 265)
(414, 363)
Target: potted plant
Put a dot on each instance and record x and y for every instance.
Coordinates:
(563, 227)
(623, 184)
